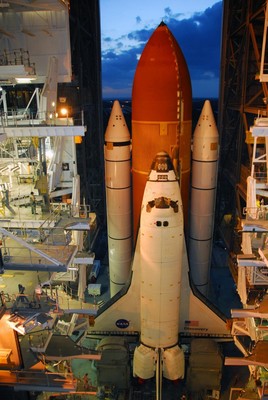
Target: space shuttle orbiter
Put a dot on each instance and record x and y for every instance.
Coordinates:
(157, 301)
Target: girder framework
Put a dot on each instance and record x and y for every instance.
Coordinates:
(242, 98)
(85, 42)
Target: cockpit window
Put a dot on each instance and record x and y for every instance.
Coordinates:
(162, 202)
(162, 163)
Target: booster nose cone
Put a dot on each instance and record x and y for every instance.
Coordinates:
(206, 136)
(117, 130)
(206, 125)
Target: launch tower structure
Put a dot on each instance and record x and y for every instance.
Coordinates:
(243, 97)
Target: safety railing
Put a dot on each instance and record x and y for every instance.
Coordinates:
(47, 230)
(24, 258)
(48, 379)
(74, 211)
(49, 223)
(14, 118)
(258, 213)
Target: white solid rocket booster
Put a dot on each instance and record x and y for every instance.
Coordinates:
(203, 194)
(161, 248)
(118, 198)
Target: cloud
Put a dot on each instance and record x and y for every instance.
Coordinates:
(168, 11)
(141, 36)
(199, 38)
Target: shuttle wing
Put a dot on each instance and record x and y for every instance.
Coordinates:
(122, 312)
(198, 317)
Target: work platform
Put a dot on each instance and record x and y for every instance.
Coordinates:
(258, 357)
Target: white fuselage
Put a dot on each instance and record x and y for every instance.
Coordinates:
(161, 257)
(161, 249)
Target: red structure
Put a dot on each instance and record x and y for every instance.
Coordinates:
(161, 114)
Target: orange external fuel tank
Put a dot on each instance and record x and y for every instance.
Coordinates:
(161, 115)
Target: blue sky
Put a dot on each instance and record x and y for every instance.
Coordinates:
(127, 26)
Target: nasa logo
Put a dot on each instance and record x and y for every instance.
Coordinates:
(122, 323)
